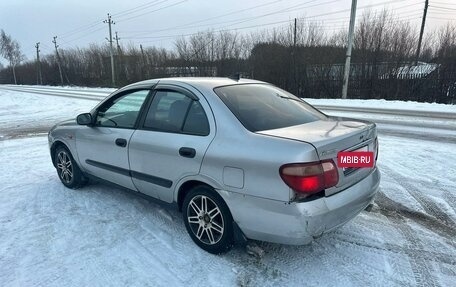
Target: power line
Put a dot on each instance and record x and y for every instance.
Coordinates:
(319, 4)
(89, 33)
(207, 19)
(163, 37)
(443, 8)
(283, 11)
(95, 23)
(444, 3)
(224, 29)
(439, 12)
(80, 29)
(442, 19)
(136, 16)
(243, 20)
(143, 6)
(239, 21)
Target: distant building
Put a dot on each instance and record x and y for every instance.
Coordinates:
(418, 71)
(384, 70)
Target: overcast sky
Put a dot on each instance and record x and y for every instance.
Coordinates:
(78, 23)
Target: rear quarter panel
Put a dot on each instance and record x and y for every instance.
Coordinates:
(246, 162)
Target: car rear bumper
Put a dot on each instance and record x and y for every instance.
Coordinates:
(298, 223)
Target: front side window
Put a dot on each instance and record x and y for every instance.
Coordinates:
(261, 107)
(172, 111)
(122, 112)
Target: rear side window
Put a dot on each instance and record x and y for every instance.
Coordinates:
(263, 107)
(196, 122)
(174, 112)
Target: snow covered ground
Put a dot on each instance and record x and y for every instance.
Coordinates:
(99, 235)
(384, 104)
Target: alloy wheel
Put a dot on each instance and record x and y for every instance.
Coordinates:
(65, 167)
(205, 219)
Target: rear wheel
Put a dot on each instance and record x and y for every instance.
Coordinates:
(208, 220)
(67, 169)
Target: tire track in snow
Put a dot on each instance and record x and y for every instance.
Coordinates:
(423, 271)
(388, 206)
(396, 278)
(450, 198)
(428, 205)
(396, 248)
(447, 193)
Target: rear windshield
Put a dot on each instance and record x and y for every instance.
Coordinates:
(261, 107)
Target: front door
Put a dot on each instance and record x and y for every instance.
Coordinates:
(103, 147)
(171, 142)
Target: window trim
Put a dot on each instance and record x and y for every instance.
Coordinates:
(177, 89)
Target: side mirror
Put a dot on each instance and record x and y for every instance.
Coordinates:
(84, 119)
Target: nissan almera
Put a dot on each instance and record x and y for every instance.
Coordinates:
(239, 158)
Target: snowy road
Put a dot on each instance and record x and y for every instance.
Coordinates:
(433, 121)
(99, 235)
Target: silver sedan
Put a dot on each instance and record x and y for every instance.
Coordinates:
(241, 159)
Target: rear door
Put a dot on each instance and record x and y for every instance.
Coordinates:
(171, 141)
(103, 147)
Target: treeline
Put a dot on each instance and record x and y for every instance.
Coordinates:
(309, 65)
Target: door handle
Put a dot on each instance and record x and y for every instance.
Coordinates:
(187, 152)
(121, 142)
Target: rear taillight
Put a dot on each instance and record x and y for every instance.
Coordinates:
(310, 178)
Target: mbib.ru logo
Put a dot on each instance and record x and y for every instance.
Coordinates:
(355, 159)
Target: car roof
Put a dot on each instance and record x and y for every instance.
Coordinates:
(198, 82)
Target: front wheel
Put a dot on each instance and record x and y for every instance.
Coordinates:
(67, 169)
(208, 220)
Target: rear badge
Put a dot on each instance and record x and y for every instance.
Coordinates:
(355, 159)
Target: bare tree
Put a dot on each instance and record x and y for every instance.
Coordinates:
(11, 51)
(446, 42)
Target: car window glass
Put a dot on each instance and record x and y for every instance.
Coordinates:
(167, 111)
(196, 121)
(264, 107)
(123, 111)
(172, 111)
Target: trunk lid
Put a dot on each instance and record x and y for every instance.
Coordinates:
(330, 137)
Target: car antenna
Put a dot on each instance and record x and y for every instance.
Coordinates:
(235, 77)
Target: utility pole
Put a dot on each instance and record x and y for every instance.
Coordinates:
(110, 22)
(117, 43)
(143, 58)
(294, 37)
(58, 59)
(39, 79)
(351, 32)
(293, 54)
(142, 50)
(423, 22)
(144, 66)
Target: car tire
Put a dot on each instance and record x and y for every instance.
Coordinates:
(208, 219)
(67, 169)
